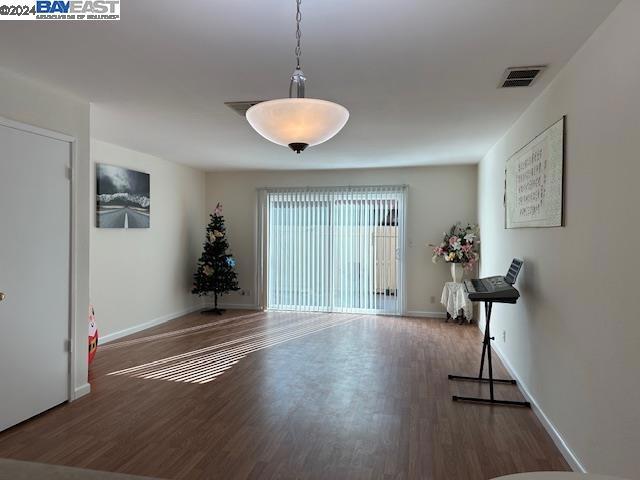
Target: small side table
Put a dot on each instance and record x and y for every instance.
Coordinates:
(456, 300)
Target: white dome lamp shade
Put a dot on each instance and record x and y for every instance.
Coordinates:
(297, 122)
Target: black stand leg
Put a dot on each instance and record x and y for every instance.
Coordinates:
(486, 352)
(485, 341)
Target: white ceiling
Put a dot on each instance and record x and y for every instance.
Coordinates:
(418, 76)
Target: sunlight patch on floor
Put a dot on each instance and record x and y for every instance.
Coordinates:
(177, 333)
(206, 364)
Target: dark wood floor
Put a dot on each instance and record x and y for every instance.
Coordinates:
(289, 395)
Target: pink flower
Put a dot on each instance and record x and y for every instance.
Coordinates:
(469, 265)
(467, 248)
(453, 240)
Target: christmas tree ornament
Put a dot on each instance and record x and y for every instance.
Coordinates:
(217, 212)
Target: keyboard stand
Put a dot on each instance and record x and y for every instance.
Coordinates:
(486, 352)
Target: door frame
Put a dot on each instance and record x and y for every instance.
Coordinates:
(73, 254)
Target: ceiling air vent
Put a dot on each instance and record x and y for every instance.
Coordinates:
(241, 107)
(521, 76)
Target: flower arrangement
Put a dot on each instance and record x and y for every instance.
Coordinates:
(459, 245)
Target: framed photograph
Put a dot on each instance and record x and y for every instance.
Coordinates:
(534, 181)
(122, 197)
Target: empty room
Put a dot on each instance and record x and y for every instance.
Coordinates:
(298, 239)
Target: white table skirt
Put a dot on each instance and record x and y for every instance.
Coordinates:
(455, 298)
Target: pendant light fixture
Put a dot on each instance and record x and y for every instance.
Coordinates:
(297, 122)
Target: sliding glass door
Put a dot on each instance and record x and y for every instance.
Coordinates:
(335, 249)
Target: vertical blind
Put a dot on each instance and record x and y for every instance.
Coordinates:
(335, 249)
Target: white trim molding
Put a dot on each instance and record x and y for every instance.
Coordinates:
(145, 325)
(25, 127)
(81, 391)
(421, 314)
(553, 432)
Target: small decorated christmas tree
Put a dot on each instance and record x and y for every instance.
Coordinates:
(215, 274)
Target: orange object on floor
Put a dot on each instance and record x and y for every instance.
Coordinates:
(93, 334)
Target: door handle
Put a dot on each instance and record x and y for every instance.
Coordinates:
(2, 296)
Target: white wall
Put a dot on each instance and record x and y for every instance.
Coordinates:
(144, 276)
(36, 104)
(574, 337)
(438, 197)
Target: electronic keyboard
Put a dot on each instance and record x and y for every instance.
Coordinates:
(495, 289)
(491, 289)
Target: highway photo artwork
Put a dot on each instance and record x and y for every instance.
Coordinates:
(122, 197)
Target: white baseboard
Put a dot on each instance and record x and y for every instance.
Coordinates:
(553, 432)
(421, 314)
(81, 391)
(241, 306)
(143, 326)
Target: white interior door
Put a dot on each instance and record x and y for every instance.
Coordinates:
(34, 273)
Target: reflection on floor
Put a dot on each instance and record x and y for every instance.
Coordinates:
(309, 396)
(205, 364)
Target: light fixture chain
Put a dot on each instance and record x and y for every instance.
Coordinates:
(298, 33)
